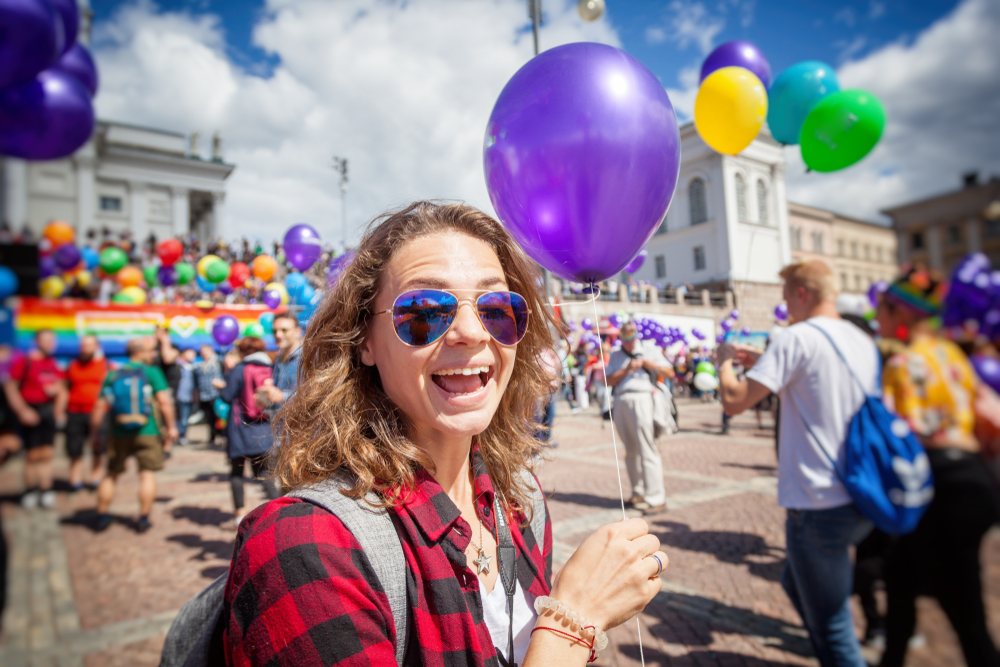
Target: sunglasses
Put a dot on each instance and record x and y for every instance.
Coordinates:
(422, 316)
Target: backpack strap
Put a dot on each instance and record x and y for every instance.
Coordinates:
(374, 530)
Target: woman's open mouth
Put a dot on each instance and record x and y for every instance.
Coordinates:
(462, 381)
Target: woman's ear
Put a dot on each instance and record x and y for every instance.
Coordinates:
(367, 354)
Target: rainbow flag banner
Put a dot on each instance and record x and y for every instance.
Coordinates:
(115, 324)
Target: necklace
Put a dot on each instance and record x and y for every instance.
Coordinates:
(483, 562)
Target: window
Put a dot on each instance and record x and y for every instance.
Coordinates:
(843, 282)
(699, 258)
(696, 199)
(917, 240)
(878, 254)
(111, 203)
(762, 203)
(868, 252)
(854, 249)
(840, 247)
(954, 234)
(796, 238)
(993, 229)
(661, 266)
(857, 283)
(818, 242)
(741, 198)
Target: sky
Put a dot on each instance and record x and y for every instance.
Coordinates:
(403, 89)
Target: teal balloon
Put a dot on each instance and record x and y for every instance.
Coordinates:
(293, 283)
(221, 409)
(267, 321)
(794, 94)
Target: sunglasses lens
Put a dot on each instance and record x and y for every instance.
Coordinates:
(505, 316)
(422, 316)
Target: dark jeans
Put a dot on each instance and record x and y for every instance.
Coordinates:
(259, 466)
(208, 407)
(547, 415)
(941, 558)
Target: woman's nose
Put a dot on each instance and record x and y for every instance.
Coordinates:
(467, 328)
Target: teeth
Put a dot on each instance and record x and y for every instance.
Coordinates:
(472, 370)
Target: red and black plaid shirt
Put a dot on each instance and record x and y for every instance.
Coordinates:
(302, 592)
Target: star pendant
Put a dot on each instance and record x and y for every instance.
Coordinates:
(483, 562)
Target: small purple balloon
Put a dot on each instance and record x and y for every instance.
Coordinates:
(45, 119)
(302, 247)
(988, 369)
(587, 324)
(224, 287)
(875, 291)
(167, 275)
(32, 39)
(738, 54)
(337, 266)
(721, 338)
(47, 266)
(781, 312)
(745, 331)
(79, 63)
(67, 256)
(272, 298)
(636, 263)
(225, 330)
(734, 314)
(581, 159)
(726, 325)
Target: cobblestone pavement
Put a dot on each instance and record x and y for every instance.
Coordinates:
(81, 598)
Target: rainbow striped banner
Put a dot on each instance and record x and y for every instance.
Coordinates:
(115, 324)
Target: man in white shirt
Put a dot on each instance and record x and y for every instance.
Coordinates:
(818, 400)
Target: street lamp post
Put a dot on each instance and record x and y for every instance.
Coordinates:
(340, 166)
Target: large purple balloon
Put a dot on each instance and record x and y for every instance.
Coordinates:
(636, 263)
(581, 159)
(167, 275)
(31, 38)
(738, 54)
(67, 256)
(302, 247)
(45, 119)
(988, 369)
(78, 62)
(69, 14)
(225, 330)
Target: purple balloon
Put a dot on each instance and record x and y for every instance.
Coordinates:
(167, 275)
(587, 324)
(988, 369)
(45, 119)
(734, 314)
(78, 62)
(225, 330)
(47, 266)
(224, 287)
(738, 54)
(69, 13)
(302, 247)
(721, 338)
(272, 298)
(781, 312)
(32, 39)
(636, 263)
(875, 290)
(581, 159)
(745, 331)
(67, 256)
(337, 266)
(726, 325)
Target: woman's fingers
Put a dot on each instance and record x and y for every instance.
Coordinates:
(645, 545)
(654, 564)
(633, 528)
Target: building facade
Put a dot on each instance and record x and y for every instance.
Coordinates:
(940, 230)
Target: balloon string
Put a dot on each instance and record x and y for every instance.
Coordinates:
(614, 443)
(592, 299)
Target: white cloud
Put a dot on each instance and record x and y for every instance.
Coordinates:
(845, 16)
(942, 100)
(655, 34)
(683, 98)
(403, 89)
(876, 9)
(686, 22)
(850, 49)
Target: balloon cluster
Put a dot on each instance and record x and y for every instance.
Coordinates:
(972, 306)
(650, 329)
(61, 264)
(804, 106)
(47, 80)
(706, 378)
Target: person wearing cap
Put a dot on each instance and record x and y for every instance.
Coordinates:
(932, 385)
(632, 371)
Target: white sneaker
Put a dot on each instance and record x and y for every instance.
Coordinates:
(29, 500)
(48, 499)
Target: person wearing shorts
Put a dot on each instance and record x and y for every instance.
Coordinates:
(86, 375)
(145, 444)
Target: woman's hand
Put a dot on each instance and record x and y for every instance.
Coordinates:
(612, 577)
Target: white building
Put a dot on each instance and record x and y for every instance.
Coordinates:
(727, 227)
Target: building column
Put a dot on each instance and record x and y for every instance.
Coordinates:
(86, 197)
(217, 227)
(781, 206)
(180, 205)
(934, 247)
(138, 211)
(973, 234)
(15, 193)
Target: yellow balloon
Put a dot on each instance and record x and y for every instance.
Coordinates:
(281, 290)
(730, 109)
(205, 261)
(84, 278)
(136, 294)
(51, 287)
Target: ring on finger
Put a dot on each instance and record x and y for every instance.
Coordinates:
(658, 562)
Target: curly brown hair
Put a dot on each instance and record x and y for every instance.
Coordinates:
(341, 419)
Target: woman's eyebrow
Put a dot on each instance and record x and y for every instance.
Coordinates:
(437, 283)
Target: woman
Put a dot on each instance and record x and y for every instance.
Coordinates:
(931, 384)
(426, 397)
(250, 436)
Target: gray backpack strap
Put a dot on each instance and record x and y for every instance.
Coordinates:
(194, 638)
(374, 530)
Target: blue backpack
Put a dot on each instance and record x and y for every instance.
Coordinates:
(129, 404)
(886, 470)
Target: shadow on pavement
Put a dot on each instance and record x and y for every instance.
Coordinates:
(761, 559)
(695, 658)
(585, 499)
(210, 477)
(758, 468)
(209, 549)
(203, 516)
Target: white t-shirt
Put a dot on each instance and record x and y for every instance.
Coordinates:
(497, 619)
(816, 387)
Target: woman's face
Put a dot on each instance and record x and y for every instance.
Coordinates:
(422, 381)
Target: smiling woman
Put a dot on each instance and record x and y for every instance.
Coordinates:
(418, 384)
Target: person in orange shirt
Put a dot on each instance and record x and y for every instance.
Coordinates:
(86, 376)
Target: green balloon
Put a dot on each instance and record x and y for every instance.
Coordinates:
(841, 129)
(216, 272)
(112, 260)
(705, 367)
(185, 273)
(255, 329)
(149, 273)
(121, 298)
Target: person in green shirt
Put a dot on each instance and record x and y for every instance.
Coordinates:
(144, 443)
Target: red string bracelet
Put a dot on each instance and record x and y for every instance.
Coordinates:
(593, 653)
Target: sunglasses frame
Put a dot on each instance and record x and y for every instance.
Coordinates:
(472, 302)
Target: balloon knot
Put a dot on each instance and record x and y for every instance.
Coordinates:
(590, 289)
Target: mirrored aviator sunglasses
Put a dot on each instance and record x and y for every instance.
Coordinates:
(422, 316)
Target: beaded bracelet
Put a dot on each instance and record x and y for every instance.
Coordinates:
(600, 638)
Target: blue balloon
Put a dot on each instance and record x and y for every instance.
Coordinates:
(310, 308)
(267, 321)
(90, 256)
(221, 409)
(293, 283)
(203, 284)
(794, 94)
(8, 283)
(304, 295)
